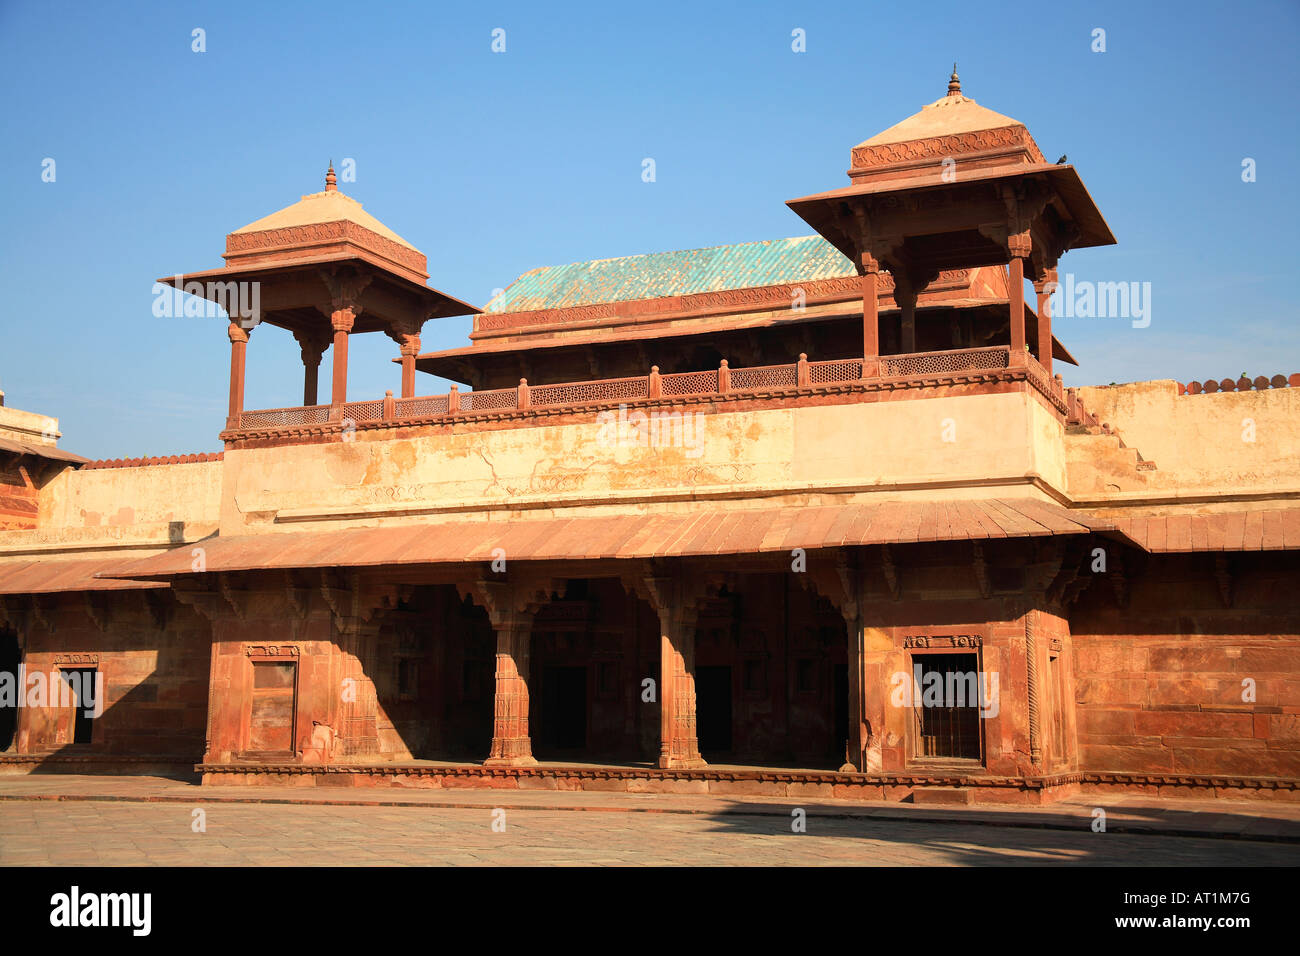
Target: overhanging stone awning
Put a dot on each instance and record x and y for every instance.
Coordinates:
(45, 576)
(739, 531)
(1257, 530)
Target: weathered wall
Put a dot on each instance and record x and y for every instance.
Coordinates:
(155, 676)
(158, 505)
(1217, 442)
(1159, 681)
(939, 441)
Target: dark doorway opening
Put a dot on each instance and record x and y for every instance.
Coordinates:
(713, 709)
(564, 708)
(840, 742)
(81, 682)
(9, 659)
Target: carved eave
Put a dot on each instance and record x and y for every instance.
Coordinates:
(935, 221)
(299, 295)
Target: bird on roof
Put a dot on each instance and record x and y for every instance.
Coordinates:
(1061, 160)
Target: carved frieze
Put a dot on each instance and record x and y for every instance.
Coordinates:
(939, 147)
(272, 650)
(76, 659)
(942, 640)
(266, 240)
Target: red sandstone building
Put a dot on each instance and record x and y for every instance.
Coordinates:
(699, 521)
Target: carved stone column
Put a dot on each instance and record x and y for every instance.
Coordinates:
(511, 607)
(312, 348)
(238, 351)
(406, 333)
(345, 288)
(356, 631)
(870, 268)
(1044, 288)
(676, 605)
(1019, 246)
(341, 321)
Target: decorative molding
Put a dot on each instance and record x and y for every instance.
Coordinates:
(241, 244)
(76, 658)
(940, 147)
(272, 650)
(925, 641)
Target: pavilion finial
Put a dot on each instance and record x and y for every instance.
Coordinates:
(954, 84)
(331, 181)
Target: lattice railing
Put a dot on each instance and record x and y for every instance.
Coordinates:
(939, 363)
(835, 370)
(765, 376)
(689, 383)
(364, 411)
(279, 417)
(496, 398)
(575, 393)
(801, 374)
(422, 407)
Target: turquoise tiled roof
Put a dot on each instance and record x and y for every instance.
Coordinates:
(744, 265)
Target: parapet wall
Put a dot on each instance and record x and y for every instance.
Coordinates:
(156, 504)
(1247, 441)
(606, 462)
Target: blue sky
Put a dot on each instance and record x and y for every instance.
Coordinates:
(493, 164)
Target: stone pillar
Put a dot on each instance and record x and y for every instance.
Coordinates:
(512, 744)
(510, 608)
(679, 746)
(311, 348)
(345, 287)
(1019, 247)
(341, 321)
(1044, 287)
(238, 350)
(410, 348)
(870, 316)
(905, 294)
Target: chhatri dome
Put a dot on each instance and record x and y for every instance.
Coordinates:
(323, 207)
(953, 126)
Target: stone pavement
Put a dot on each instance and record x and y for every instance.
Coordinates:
(59, 819)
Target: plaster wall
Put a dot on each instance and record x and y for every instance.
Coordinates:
(928, 446)
(1218, 442)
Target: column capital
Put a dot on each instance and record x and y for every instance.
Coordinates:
(238, 333)
(342, 320)
(1046, 278)
(1020, 245)
(312, 346)
(345, 286)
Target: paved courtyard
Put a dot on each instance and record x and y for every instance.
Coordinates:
(46, 832)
